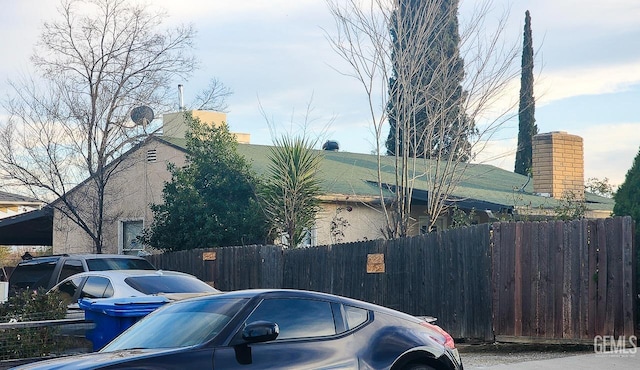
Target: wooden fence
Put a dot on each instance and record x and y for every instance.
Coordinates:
(446, 275)
(564, 281)
(545, 281)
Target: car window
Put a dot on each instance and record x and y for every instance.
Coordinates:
(103, 264)
(97, 287)
(32, 275)
(296, 318)
(68, 289)
(154, 284)
(189, 323)
(71, 267)
(355, 316)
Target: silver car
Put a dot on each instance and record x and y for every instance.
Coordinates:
(129, 283)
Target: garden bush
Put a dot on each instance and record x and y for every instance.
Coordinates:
(30, 342)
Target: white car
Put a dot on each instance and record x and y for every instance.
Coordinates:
(130, 283)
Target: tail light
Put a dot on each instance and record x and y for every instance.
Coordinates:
(448, 340)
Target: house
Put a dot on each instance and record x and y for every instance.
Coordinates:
(351, 204)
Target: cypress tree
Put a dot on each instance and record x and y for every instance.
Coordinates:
(527, 127)
(437, 124)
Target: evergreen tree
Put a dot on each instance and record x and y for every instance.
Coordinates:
(211, 202)
(527, 127)
(627, 197)
(627, 203)
(425, 106)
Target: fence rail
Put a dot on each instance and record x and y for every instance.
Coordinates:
(30, 340)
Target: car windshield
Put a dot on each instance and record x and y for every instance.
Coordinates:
(32, 275)
(103, 264)
(181, 324)
(154, 284)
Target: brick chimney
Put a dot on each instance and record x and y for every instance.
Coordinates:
(558, 164)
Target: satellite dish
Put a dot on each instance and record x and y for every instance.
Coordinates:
(142, 115)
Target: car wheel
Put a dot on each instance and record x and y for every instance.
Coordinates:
(415, 366)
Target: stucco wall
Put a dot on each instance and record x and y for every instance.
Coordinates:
(354, 222)
(130, 193)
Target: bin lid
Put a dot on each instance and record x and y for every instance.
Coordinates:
(129, 306)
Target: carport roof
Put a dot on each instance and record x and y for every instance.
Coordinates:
(30, 228)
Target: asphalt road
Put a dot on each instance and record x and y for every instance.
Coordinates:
(555, 361)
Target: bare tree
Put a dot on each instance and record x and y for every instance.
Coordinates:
(96, 62)
(214, 97)
(376, 56)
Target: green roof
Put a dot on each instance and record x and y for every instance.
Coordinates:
(350, 174)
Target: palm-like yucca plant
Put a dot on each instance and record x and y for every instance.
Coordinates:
(292, 187)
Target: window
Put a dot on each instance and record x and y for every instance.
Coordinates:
(167, 284)
(309, 238)
(189, 323)
(122, 263)
(423, 224)
(68, 289)
(32, 275)
(355, 316)
(130, 232)
(317, 320)
(71, 267)
(97, 287)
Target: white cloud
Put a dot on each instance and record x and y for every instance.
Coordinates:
(570, 82)
(578, 14)
(609, 150)
(225, 11)
(497, 152)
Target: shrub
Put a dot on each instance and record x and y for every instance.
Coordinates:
(30, 342)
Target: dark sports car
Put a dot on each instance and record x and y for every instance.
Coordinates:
(272, 329)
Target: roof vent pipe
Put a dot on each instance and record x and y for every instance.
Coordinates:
(181, 94)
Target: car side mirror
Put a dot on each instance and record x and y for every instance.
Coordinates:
(260, 331)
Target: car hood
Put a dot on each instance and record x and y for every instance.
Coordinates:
(94, 360)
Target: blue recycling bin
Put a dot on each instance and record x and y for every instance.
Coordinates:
(112, 316)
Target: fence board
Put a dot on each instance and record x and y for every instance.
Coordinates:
(612, 256)
(592, 276)
(496, 275)
(534, 275)
(627, 277)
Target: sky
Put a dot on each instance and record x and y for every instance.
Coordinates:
(275, 57)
